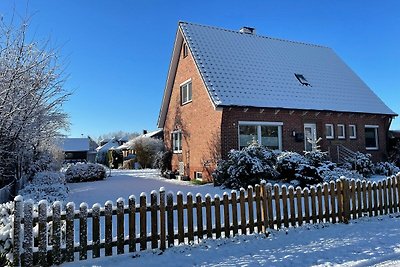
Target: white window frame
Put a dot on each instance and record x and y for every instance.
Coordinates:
(196, 176)
(259, 124)
(344, 131)
(375, 127)
(354, 131)
(179, 133)
(185, 86)
(332, 136)
(185, 50)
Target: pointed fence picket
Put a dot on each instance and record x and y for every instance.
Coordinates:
(158, 222)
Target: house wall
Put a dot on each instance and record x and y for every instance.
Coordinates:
(199, 121)
(294, 121)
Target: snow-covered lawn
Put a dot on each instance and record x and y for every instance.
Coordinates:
(363, 242)
(124, 183)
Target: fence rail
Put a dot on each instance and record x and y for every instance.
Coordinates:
(158, 222)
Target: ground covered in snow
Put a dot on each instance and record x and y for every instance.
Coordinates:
(124, 183)
(363, 242)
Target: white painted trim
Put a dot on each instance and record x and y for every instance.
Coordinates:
(179, 151)
(185, 82)
(263, 123)
(344, 131)
(195, 176)
(371, 126)
(313, 127)
(332, 130)
(355, 131)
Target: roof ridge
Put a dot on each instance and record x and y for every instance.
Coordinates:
(255, 35)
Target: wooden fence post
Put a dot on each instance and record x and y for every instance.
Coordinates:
(339, 194)
(234, 212)
(96, 230)
(306, 205)
(243, 221)
(313, 193)
(346, 200)
(326, 201)
(56, 242)
(389, 188)
(108, 227)
(179, 206)
(143, 221)
(264, 206)
(83, 231)
(217, 209)
(258, 208)
(359, 199)
(292, 206)
(70, 232)
(190, 226)
(163, 234)
(132, 223)
(375, 190)
(208, 216)
(227, 224)
(170, 219)
(369, 199)
(385, 199)
(18, 216)
(285, 206)
(120, 225)
(42, 240)
(398, 190)
(320, 204)
(199, 216)
(28, 234)
(395, 197)
(154, 219)
(277, 206)
(270, 208)
(299, 206)
(250, 206)
(333, 194)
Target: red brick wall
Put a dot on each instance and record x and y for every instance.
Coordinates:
(295, 122)
(199, 121)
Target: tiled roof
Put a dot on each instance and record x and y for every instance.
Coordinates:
(74, 144)
(255, 71)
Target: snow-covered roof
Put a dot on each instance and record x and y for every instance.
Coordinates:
(74, 144)
(153, 133)
(112, 144)
(250, 70)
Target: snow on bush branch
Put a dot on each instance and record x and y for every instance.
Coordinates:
(31, 97)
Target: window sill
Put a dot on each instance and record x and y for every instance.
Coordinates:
(353, 137)
(187, 102)
(177, 152)
(330, 137)
(341, 137)
(372, 148)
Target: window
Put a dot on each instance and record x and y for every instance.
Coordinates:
(329, 132)
(185, 50)
(177, 142)
(371, 137)
(352, 131)
(341, 133)
(198, 176)
(302, 79)
(268, 134)
(186, 92)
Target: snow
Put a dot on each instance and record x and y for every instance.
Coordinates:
(124, 183)
(363, 242)
(74, 144)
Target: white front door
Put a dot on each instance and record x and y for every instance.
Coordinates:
(310, 136)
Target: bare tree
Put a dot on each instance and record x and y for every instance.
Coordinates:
(31, 97)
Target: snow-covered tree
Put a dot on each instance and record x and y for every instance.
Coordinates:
(145, 149)
(31, 97)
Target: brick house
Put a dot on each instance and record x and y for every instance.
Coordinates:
(228, 88)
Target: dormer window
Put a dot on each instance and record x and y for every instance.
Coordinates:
(302, 79)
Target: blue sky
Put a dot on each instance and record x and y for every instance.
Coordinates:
(118, 52)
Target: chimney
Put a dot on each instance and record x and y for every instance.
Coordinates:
(144, 131)
(248, 30)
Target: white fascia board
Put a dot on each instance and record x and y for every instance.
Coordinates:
(263, 123)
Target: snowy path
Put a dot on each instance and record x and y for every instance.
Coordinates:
(363, 242)
(132, 182)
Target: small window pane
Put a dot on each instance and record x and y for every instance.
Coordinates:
(352, 129)
(269, 137)
(189, 86)
(371, 138)
(329, 131)
(341, 133)
(247, 135)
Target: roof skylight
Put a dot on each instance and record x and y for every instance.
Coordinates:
(302, 79)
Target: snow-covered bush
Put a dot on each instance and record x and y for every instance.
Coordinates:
(84, 172)
(334, 174)
(6, 218)
(146, 149)
(386, 168)
(363, 164)
(246, 167)
(46, 185)
(316, 157)
(394, 154)
(288, 164)
(162, 161)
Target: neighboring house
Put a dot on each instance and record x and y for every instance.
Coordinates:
(78, 149)
(157, 134)
(228, 88)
